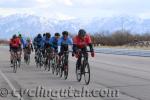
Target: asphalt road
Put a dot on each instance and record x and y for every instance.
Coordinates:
(113, 77)
(129, 52)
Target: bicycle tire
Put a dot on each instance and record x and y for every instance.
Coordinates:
(87, 81)
(15, 66)
(66, 72)
(78, 73)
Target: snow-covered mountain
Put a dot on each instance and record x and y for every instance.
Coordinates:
(31, 25)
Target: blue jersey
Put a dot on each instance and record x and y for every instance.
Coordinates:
(67, 41)
(39, 42)
(47, 41)
(54, 42)
(23, 42)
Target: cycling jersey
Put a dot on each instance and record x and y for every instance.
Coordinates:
(15, 43)
(39, 42)
(82, 43)
(47, 42)
(28, 44)
(54, 42)
(23, 42)
(63, 41)
(63, 44)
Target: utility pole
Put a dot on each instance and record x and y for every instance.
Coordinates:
(122, 25)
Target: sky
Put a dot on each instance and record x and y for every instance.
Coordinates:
(68, 9)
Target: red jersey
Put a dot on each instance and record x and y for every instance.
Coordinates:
(81, 43)
(15, 42)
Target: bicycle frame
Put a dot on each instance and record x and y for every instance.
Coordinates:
(83, 55)
(15, 57)
(27, 55)
(39, 57)
(65, 57)
(81, 66)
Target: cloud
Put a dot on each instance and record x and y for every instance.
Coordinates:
(42, 1)
(17, 4)
(10, 11)
(145, 15)
(68, 2)
(76, 8)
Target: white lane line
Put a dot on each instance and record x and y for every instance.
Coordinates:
(11, 86)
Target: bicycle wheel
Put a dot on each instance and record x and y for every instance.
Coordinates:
(78, 72)
(53, 68)
(65, 67)
(55, 64)
(40, 62)
(60, 71)
(45, 66)
(45, 63)
(28, 59)
(19, 63)
(57, 69)
(15, 66)
(66, 72)
(49, 65)
(87, 73)
(37, 62)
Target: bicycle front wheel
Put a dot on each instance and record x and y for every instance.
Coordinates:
(15, 66)
(78, 72)
(66, 72)
(53, 68)
(28, 59)
(60, 71)
(87, 73)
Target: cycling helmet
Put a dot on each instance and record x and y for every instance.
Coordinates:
(14, 36)
(44, 34)
(39, 36)
(65, 33)
(20, 35)
(81, 33)
(57, 34)
(48, 35)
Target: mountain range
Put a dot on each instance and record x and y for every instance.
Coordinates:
(31, 25)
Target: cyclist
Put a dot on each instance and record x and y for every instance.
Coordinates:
(38, 43)
(54, 41)
(35, 43)
(47, 47)
(28, 47)
(15, 45)
(44, 36)
(46, 41)
(23, 42)
(81, 41)
(63, 44)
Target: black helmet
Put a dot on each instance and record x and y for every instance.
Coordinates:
(20, 35)
(57, 34)
(81, 33)
(44, 34)
(65, 33)
(39, 36)
(48, 35)
(14, 36)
